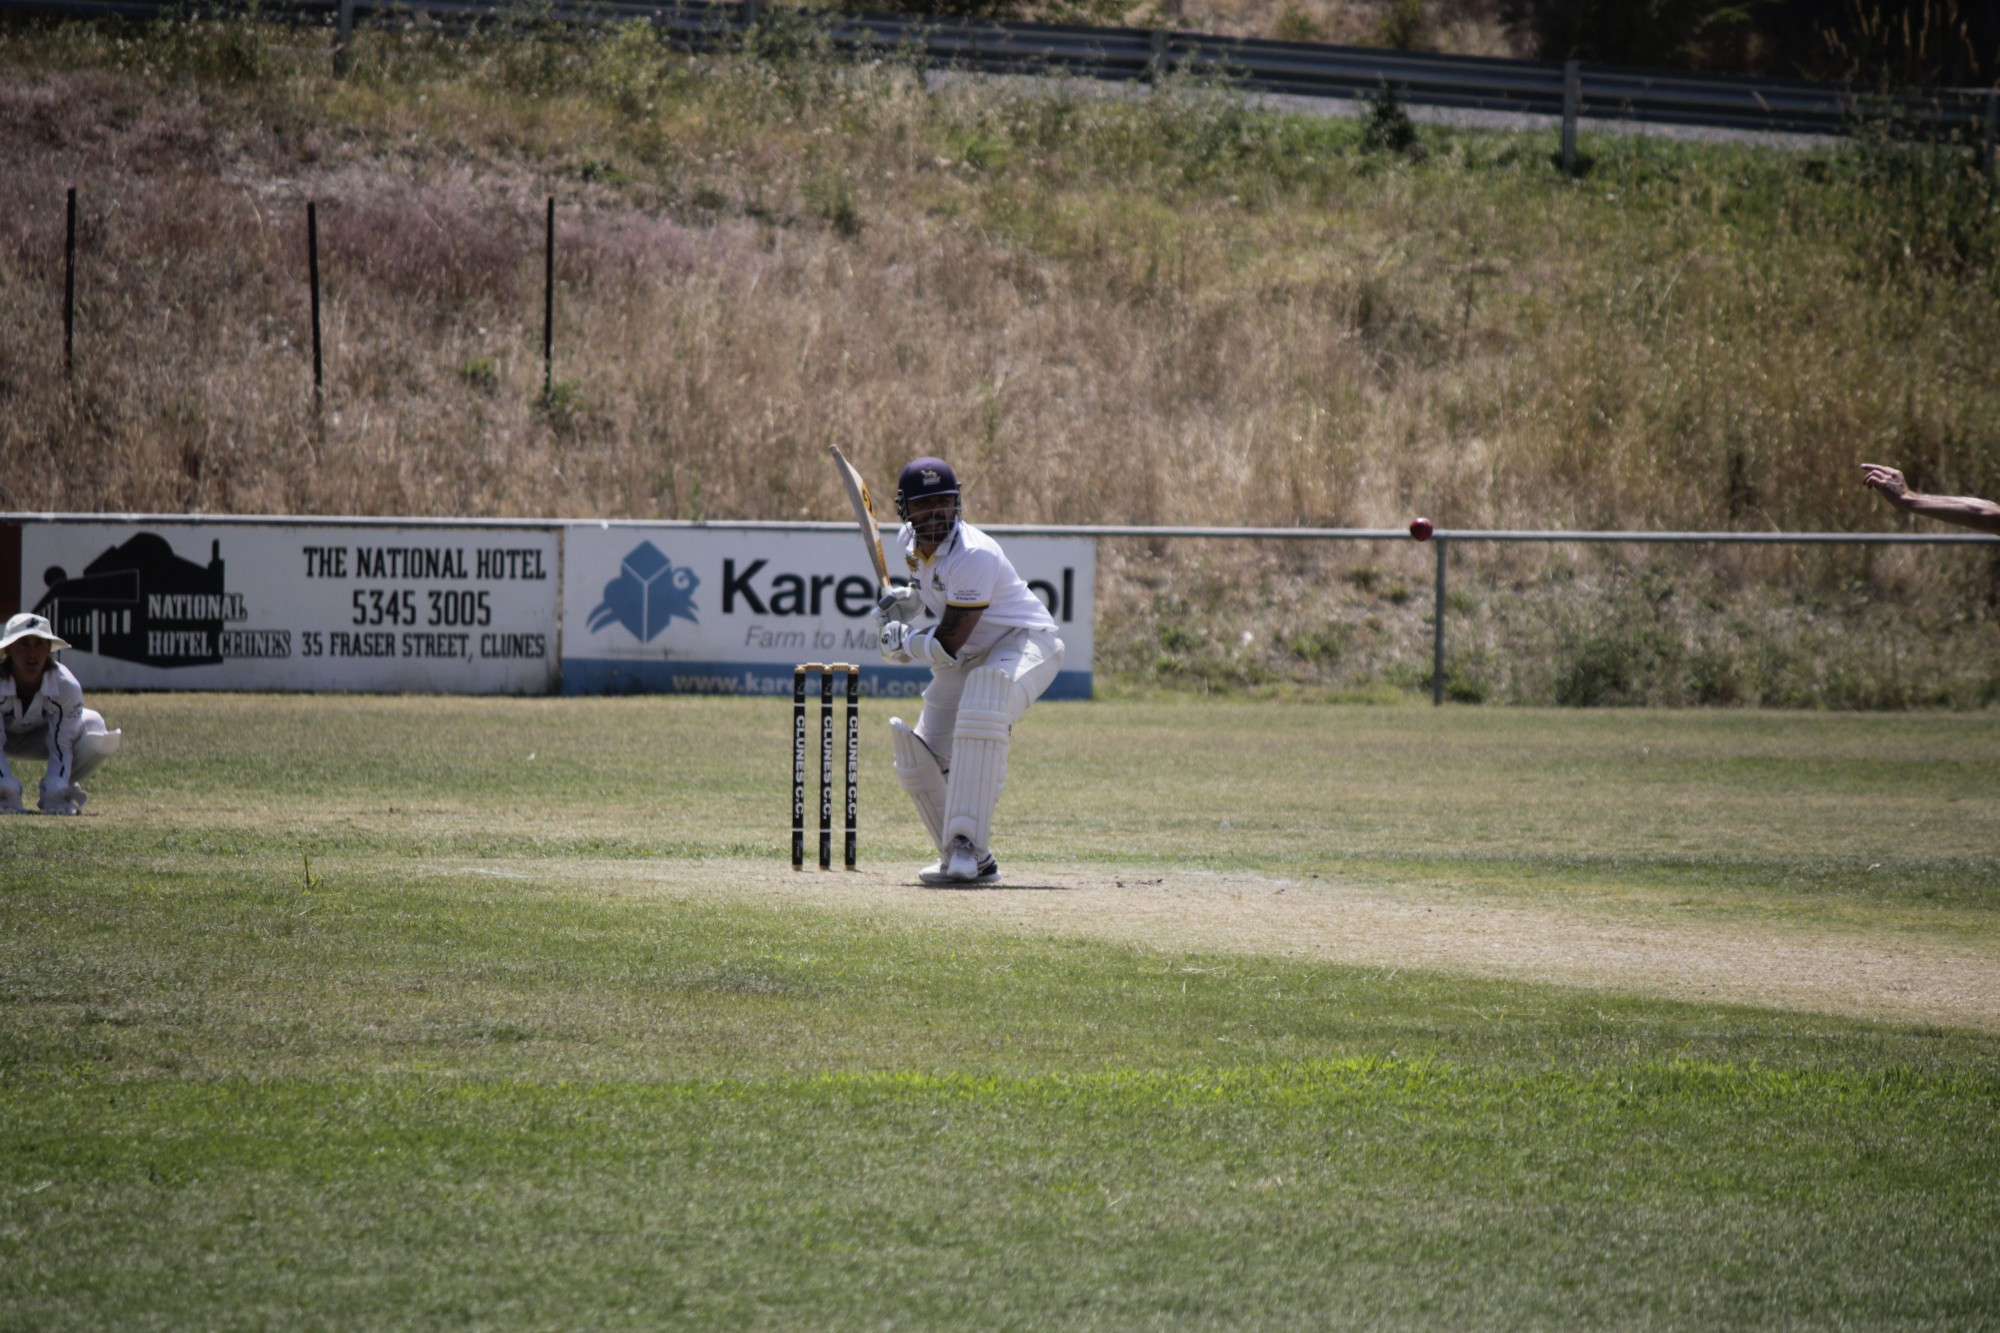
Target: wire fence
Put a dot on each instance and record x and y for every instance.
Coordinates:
(313, 284)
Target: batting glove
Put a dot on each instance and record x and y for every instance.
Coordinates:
(899, 601)
(894, 640)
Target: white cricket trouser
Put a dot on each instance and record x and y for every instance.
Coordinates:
(35, 745)
(1030, 658)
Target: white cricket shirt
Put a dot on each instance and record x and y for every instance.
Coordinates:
(971, 570)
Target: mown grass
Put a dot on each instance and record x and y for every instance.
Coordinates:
(312, 1021)
(513, 1110)
(1873, 811)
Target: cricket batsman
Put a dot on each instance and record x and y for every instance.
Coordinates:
(992, 651)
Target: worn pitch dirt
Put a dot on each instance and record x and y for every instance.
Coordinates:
(1907, 979)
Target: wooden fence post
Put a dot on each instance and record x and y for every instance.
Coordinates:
(312, 271)
(549, 305)
(69, 292)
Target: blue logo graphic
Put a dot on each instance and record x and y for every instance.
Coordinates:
(647, 593)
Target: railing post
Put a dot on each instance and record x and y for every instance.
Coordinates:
(1437, 628)
(1572, 100)
(343, 42)
(1156, 69)
(1992, 125)
(749, 19)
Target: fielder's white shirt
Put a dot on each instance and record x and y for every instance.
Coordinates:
(56, 709)
(970, 570)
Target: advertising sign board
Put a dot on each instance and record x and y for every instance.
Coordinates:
(711, 609)
(172, 604)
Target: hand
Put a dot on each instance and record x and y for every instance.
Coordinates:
(894, 640)
(10, 798)
(1886, 480)
(66, 800)
(898, 602)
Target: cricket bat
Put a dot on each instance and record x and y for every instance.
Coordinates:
(864, 514)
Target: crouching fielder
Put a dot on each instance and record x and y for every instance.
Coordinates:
(43, 717)
(992, 651)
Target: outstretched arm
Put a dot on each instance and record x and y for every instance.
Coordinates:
(1967, 511)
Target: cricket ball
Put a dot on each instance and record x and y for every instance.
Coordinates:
(1420, 528)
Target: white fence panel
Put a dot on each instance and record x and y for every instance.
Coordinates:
(188, 604)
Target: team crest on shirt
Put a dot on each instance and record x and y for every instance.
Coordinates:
(647, 594)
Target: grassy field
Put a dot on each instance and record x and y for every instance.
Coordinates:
(417, 1012)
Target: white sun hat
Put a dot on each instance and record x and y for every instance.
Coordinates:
(28, 625)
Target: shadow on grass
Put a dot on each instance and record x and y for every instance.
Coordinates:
(999, 888)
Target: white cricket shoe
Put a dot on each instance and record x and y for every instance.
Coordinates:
(961, 866)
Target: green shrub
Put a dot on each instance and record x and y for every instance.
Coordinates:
(1389, 129)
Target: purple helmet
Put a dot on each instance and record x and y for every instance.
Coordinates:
(922, 479)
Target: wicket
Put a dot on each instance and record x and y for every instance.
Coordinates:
(826, 672)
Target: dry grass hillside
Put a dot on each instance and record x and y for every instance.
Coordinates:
(1165, 309)
(1462, 27)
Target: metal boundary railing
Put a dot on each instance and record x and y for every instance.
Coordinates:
(1441, 540)
(1568, 91)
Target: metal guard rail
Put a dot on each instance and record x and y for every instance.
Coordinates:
(1442, 540)
(1305, 69)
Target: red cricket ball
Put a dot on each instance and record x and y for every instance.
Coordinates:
(1420, 528)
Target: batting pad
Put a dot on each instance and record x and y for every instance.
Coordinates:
(917, 770)
(92, 749)
(986, 716)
